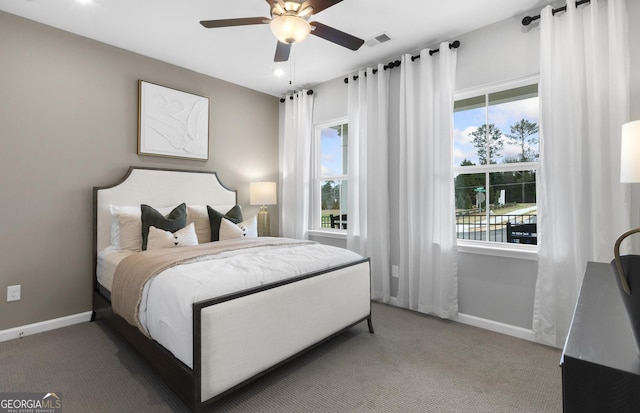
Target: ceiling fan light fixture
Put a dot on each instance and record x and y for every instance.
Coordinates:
(277, 9)
(290, 29)
(306, 12)
(291, 6)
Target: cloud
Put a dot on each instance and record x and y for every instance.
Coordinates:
(510, 151)
(328, 157)
(466, 150)
(464, 137)
(459, 156)
(506, 114)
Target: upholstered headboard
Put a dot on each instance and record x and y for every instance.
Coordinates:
(158, 188)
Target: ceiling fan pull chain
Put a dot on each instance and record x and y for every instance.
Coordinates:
(292, 70)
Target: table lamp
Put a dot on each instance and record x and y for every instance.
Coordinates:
(263, 194)
(627, 267)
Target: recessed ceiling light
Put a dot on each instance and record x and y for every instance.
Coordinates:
(84, 1)
(278, 72)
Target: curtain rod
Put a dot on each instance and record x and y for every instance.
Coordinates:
(528, 19)
(453, 45)
(309, 92)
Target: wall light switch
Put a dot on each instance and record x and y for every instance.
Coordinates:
(13, 293)
(394, 271)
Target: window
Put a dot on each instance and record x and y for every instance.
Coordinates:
(496, 157)
(332, 142)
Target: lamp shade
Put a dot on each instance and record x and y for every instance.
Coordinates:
(630, 152)
(290, 29)
(262, 193)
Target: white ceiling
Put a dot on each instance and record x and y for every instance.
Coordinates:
(169, 30)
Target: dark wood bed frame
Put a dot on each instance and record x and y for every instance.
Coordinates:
(184, 381)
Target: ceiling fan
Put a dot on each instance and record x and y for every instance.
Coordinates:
(290, 24)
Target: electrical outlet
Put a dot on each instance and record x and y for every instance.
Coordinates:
(394, 271)
(13, 293)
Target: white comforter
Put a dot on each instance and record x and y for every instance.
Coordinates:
(166, 306)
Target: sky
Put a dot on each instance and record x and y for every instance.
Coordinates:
(503, 116)
(465, 122)
(331, 152)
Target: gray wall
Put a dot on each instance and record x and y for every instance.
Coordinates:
(497, 288)
(494, 288)
(68, 122)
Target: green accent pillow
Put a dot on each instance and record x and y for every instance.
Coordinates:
(234, 215)
(176, 220)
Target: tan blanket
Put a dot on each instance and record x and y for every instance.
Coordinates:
(133, 272)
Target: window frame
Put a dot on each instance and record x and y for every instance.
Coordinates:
(501, 249)
(318, 178)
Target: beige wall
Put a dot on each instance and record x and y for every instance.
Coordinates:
(68, 122)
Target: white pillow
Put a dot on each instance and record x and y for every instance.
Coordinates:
(200, 217)
(126, 226)
(159, 238)
(245, 229)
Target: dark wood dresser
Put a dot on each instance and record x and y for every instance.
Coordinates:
(600, 362)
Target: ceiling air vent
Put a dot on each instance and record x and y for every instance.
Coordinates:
(376, 40)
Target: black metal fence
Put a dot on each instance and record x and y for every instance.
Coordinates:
(334, 221)
(502, 228)
(476, 227)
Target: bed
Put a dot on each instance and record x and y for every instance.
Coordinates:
(221, 318)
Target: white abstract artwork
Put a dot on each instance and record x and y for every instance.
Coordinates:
(172, 123)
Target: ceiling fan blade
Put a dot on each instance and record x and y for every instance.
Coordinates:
(210, 24)
(282, 52)
(336, 36)
(319, 5)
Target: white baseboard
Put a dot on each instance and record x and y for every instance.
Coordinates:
(495, 326)
(394, 301)
(43, 326)
(486, 324)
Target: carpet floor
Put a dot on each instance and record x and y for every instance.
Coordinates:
(413, 363)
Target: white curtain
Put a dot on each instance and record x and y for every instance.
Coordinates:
(428, 280)
(296, 160)
(583, 208)
(368, 168)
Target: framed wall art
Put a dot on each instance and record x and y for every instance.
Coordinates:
(172, 123)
